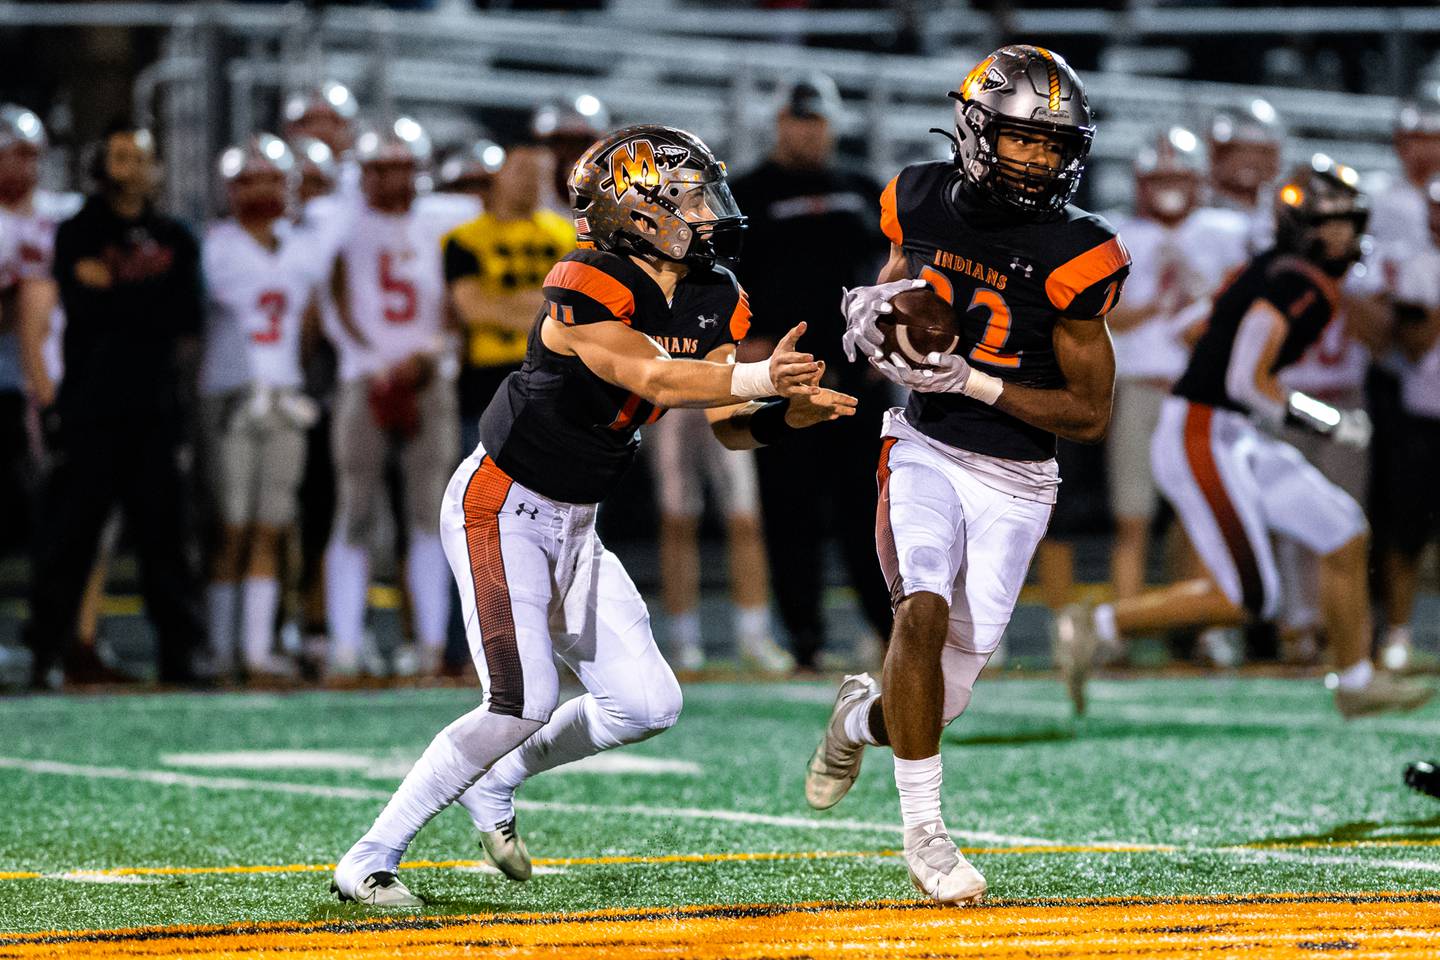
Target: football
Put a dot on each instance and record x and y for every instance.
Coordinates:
(921, 323)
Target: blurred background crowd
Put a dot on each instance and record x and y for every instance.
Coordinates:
(262, 266)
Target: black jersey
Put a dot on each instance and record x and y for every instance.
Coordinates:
(1304, 294)
(557, 428)
(1010, 281)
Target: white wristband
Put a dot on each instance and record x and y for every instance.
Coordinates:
(983, 387)
(751, 381)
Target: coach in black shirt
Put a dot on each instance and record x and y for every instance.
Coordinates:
(814, 229)
(130, 284)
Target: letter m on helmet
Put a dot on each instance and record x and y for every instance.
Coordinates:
(633, 164)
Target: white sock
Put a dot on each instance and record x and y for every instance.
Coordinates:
(1357, 675)
(752, 623)
(1105, 626)
(455, 759)
(262, 598)
(428, 576)
(579, 728)
(919, 784)
(857, 722)
(220, 600)
(347, 585)
(684, 629)
(1399, 635)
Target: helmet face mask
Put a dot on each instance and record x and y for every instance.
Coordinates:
(656, 192)
(260, 177)
(1023, 129)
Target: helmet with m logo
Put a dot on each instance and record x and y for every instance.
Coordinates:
(658, 192)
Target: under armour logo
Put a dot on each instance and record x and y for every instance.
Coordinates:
(1017, 264)
(523, 508)
(708, 322)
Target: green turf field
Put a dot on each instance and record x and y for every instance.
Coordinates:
(130, 810)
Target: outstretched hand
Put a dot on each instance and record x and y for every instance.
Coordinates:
(794, 374)
(818, 407)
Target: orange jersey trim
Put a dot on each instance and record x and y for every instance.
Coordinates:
(1074, 277)
(740, 318)
(595, 284)
(889, 216)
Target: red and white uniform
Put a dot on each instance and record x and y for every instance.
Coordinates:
(395, 282)
(256, 300)
(35, 237)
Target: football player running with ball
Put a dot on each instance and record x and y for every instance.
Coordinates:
(626, 331)
(967, 471)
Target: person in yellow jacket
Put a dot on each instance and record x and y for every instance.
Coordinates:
(494, 268)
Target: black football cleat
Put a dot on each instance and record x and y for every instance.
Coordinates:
(1424, 777)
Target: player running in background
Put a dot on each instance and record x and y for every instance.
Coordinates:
(967, 472)
(1233, 482)
(619, 339)
(261, 277)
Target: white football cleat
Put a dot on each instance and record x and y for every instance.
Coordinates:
(688, 655)
(505, 851)
(937, 867)
(835, 763)
(760, 652)
(1073, 642)
(362, 876)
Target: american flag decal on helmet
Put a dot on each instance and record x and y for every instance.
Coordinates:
(582, 224)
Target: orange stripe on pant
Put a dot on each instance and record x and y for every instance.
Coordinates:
(884, 534)
(1201, 458)
(484, 499)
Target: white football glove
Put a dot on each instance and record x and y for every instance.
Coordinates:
(951, 374)
(863, 306)
(1354, 429)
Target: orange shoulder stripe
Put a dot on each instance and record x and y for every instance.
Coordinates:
(740, 318)
(1073, 277)
(889, 215)
(595, 284)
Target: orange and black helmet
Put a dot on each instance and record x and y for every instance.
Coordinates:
(656, 191)
(1311, 194)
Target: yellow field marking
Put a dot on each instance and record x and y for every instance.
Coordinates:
(1286, 926)
(760, 856)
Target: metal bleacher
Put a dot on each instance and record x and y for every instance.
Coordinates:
(710, 69)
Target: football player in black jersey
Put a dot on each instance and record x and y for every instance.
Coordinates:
(967, 471)
(642, 318)
(1234, 482)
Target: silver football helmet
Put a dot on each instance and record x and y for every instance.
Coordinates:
(1169, 175)
(1027, 91)
(475, 162)
(581, 115)
(315, 158)
(656, 191)
(20, 125)
(401, 139)
(330, 95)
(263, 151)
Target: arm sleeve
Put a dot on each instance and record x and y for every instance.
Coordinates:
(579, 293)
(460, 261)
(1292, 292)
(890, 213)
(1246, 354)
(1088, 286)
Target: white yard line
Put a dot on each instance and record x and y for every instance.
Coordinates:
(170, 778)
(1319, 857)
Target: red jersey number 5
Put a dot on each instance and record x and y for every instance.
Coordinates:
(399, 292)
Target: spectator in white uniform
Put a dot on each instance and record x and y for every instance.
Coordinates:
(397, 369)
(262, 277)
